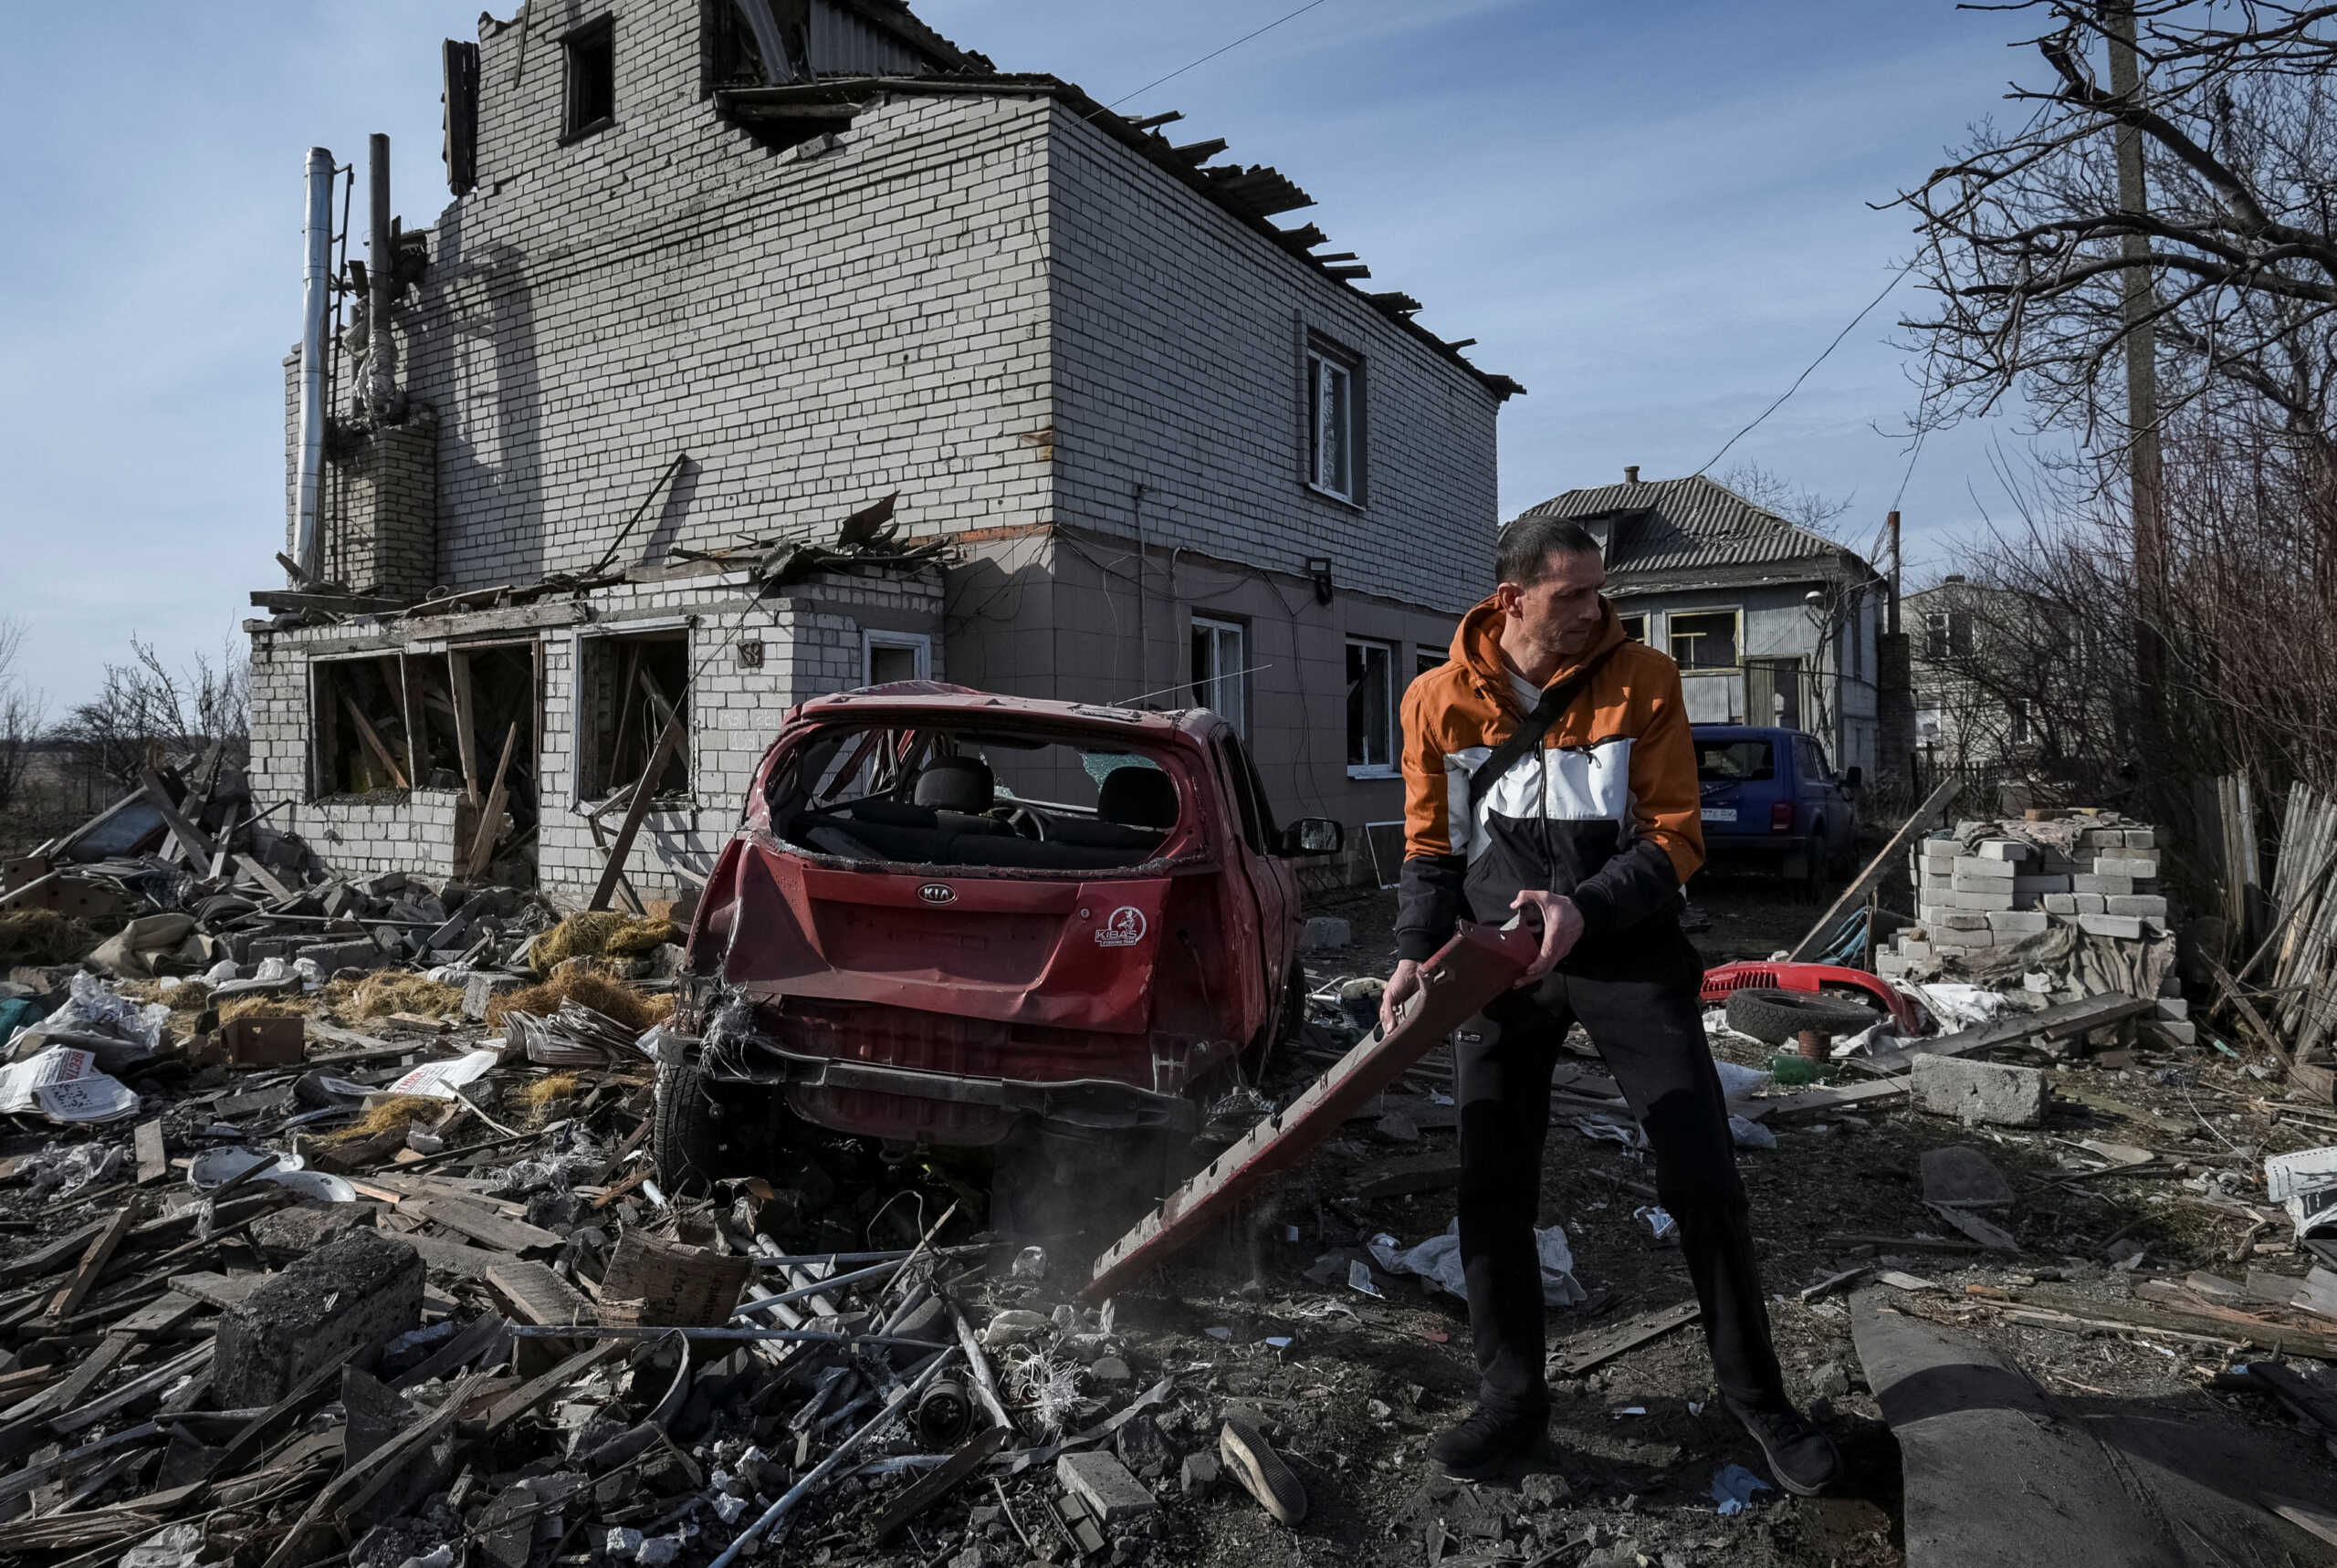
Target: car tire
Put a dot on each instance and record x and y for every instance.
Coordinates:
(685, 1136)
(1777, 1016)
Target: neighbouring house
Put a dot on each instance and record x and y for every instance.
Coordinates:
(1771, 624)
(757, 359)
(2001, 683)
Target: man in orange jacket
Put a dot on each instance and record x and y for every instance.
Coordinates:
(1595, 827)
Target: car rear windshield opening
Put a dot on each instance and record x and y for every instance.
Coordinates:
(966, 797)
(1734, 762)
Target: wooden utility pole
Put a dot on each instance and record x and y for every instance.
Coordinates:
(1890, 609)
(2140, 309)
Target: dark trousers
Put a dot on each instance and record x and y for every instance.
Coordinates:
(1651, 1035)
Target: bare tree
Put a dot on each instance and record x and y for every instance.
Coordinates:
(1773, 492)
(144, 703)
(21, 713)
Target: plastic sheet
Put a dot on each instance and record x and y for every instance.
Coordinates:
(1439, 1259)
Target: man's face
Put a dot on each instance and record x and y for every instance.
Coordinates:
(1560, 613)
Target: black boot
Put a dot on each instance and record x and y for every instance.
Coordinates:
(1485, 1440)
(1801, 1458)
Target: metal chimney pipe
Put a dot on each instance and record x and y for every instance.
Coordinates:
(307, 536)
(381, 274)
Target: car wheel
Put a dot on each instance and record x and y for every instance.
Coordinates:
(686, 1134)
(1777, 1016)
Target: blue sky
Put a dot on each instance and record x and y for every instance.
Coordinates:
(1654, 214)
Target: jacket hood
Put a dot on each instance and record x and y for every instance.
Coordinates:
(1476, 647)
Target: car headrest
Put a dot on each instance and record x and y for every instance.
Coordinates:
(1138, 798)
(956, 784)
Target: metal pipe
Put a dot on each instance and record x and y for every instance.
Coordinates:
(307, 541)
(381, 274)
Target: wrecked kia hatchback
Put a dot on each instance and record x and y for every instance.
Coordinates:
(1058, 931)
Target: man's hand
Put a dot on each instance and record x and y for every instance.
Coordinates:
(1561, 929)
(1401, 985)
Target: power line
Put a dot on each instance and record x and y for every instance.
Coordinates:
(1205, 59)
(1820, 359)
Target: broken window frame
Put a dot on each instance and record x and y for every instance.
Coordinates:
(1221, 682)
(593, 778)
(919, 644)
(591, 44)
(401, 730)
(1361, 762)
(1333, 368)
(1634, 626)
(1673, 633)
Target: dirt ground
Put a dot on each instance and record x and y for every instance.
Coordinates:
(1353, 1389)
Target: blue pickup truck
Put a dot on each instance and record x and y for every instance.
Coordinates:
(1771, 793)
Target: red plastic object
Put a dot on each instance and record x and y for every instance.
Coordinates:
(1812, 977)
(1479, 963)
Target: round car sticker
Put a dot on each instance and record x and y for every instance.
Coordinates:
(1125, 928)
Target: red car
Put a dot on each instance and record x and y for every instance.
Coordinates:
(951, 917)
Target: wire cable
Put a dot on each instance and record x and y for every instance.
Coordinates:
(1205, 59)
(1820, 359)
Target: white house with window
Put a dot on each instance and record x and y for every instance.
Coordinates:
(1771, 624)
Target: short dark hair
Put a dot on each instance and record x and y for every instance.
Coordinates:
(1523, 555)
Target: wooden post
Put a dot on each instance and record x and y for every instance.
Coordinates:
(410, 704)
(668, 741)
(458, 688)
(372, 739)
(1806, 949)
(190, 845)
(491, 814)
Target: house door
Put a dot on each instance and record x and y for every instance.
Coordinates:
(1773, 692)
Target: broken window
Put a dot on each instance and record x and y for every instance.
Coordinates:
(1371, 706)
(1634, 627)
(1704, 640)
(357, 725)
(1221, 669)
(629, 688)
(591, 95)
(889, 656)
(1335, 423)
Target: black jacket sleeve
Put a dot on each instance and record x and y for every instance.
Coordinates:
(1428, 904)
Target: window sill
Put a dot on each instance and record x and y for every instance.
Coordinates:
(1317, 491)
(1380, 771)
(586, 133)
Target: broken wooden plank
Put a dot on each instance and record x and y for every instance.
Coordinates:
(94, 1258)
(970, 1457)
(153, 1161)
(491, 817)
(1876, 870)
(2199, 1322)
(2078, 1017)
(1584, 1351)
(536, 1390)
(192, 845)
(262, 875)
(48, 1259)
(480, 1224)
(669, 740)
(532, 1293)
(1854, 1096)
(372, 739)
(458, 686)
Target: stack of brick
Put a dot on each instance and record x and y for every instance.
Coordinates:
(1991, 885)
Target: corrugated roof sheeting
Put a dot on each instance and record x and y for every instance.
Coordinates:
(1671, 524)
(844, 45)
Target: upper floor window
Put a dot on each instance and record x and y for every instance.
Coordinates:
(1704, 639)
(1947, 633)
(1334, 445)
(592, 94)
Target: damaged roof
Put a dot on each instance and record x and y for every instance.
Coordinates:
(790, 111)
(1687, 524)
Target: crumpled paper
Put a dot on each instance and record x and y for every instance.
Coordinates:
(65, 1085)
(1439, 1259)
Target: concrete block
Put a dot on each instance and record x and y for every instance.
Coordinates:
(2016, 923)
(1975, 865)
(2090, 902)
(1978, 1091)
(1982, 900)
(2125, 926)
(2092, 882)
(2140, 869)
(2150, 905)
(480, 989)
(1946, 940)
(1991, 884)
(2174, 1007)
(1963, 920)
(332, 1305)
(2059, 903)
(1893, 965)
(2005, 849)
(1914, 947)
(2182, 1030)
(2041, 884)
(331, 957)
(1104, 1485)
(2140, 837)
(1326, 932)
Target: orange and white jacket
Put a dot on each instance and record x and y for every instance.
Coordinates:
(1605, 810)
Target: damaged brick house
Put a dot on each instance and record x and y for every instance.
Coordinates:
(570, 471)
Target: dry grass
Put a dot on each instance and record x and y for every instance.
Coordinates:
(265, 1006)
(387, 991)
(42, 937)
(591, 988)
(400, 1111)
(601, 934)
